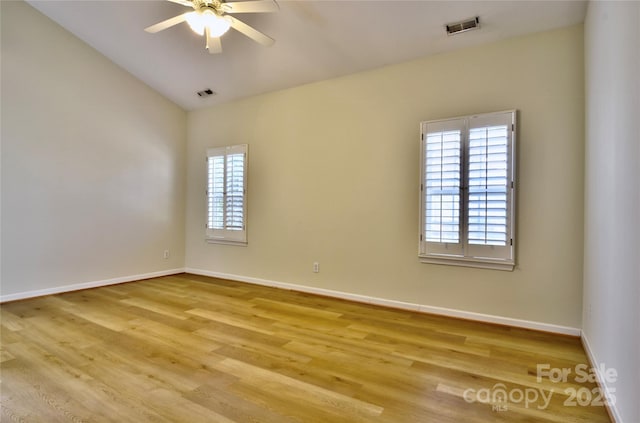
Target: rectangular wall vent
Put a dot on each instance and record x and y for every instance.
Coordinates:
(463, 26)
(206, 93)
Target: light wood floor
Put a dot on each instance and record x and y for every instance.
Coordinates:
(192, 349)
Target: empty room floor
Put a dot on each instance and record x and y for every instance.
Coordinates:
(189, 348)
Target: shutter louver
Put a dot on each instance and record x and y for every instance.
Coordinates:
(488, 184)
(215, 191)
(234, 199)
(442, 185)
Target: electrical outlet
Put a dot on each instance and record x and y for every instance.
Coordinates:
(166, 254)
(316, 267)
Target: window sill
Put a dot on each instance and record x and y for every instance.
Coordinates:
(226, 242)
(468, 262)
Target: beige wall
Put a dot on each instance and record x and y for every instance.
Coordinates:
(93, 169)
(612, 204)
(333, 177)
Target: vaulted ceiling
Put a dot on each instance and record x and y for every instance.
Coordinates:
(315, 40)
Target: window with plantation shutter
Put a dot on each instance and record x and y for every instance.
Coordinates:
(226, 194)
(467, 191)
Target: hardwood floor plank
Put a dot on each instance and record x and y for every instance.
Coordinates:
(298, 391)
(171, 337)
(156, 306)
(296, 310)
(242, 321)
(232, 406)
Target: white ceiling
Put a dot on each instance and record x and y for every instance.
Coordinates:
(315, 40)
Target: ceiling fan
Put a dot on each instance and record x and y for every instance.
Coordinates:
(211, 18)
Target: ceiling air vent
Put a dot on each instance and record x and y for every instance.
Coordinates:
(206, 93)
(462, 26)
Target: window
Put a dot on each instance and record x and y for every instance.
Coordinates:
(467, 191)
(226, 195)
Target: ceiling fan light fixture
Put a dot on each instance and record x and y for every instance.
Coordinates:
(210, 18)
(200, 20)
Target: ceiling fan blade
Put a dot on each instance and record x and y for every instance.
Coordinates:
(250, 32)
(183, 2)
(167, 24)
(214, 44)
(255, 6)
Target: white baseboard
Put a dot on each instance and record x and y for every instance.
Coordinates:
(488, 318)
(86, 285)
(602, 382)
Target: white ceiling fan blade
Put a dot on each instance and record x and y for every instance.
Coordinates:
(167, 24)
(250, 32)
(183, 2)
(256, 6)
(214, 44)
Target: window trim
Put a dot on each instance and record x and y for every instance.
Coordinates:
(464, 259)
(227, 236)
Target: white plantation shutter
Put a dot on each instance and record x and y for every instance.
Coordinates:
(215, 192)
(226, 194)
(489, 176)
(467, 202)
(442, 186)
(488, 185)
(234, 199)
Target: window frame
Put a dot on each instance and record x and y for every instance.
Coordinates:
(226, 235)
(462, 253)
